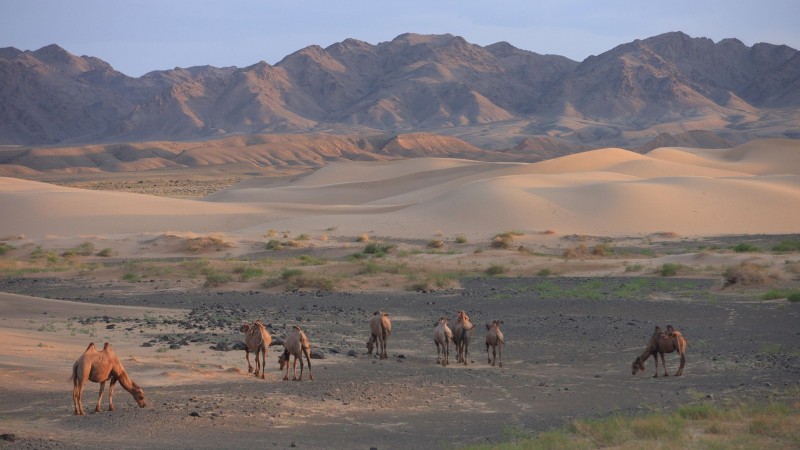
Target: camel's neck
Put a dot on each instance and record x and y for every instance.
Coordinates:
(125, 381)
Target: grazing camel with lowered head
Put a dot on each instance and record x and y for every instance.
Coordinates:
(256, 340)
(297, 345)
(659, 344)
(380, 328)
(496, 340)
(462, 333)
(442, 335)
(99, 367)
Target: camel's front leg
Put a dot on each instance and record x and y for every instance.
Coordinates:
(438, 353)
(111, 394)
(263, 363)
(664, 363)
(100, 397)
(655, 360)
(500, 349)
(258, 363)
(294, 368)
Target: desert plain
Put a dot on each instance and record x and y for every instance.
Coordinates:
(580, 256)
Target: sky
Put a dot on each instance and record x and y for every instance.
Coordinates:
(138, 36)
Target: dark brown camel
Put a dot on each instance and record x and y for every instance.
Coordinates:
(100, 367)
(659, 344)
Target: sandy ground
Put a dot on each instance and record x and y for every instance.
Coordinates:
(566, 357)
(571, 337)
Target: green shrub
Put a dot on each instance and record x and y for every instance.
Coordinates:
(105, 252)
(308, 260)
(636, 267)
(793, 296)
(745, 248)
(669, 269)
(544, 272)
(436, 243)
(274, 244)
(787, 246)
(496, 270)
(5, 248)
(378, 249)
(216, 279)
(247, 272)
(297, 279)
(461, 239)
(129, 276)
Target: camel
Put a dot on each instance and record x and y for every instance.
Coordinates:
(462, 333)
(380, 329)
(100, 367)
(659, 344)
(496, 340)
(256, 340)
(297, 345)
(442, 335)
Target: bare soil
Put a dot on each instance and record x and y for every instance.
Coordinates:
(570, 344)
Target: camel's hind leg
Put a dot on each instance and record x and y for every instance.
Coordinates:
(77, 396)
(247, 355)
(111, 394)
(500, 349)
(663, 363)
(683, 362)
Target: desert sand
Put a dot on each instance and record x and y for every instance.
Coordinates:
(571, 338)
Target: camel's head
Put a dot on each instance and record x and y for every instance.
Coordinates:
(244, 328)
(138, 395)
(494, 324)
(670, 329)
(637, 366)
(657, 330)
(283, 360)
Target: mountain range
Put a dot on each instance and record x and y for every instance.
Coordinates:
(671, 88)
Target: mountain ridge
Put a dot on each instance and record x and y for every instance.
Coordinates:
(433, 83)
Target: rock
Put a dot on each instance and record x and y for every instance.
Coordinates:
(317, 354)
(194, 414)
(147, 344)
(10, 437)
(351, 353)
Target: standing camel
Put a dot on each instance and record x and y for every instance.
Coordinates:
(100, 367)
(462, 333)
(496, 340)
(297, 345)
(256, 340)
(442, 335)
(380, 329)
(659, 344)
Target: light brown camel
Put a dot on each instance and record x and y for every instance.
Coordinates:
(100, 367)
(442, 335)
(297, 345)
(462, 333)
(496, 340)
(659, 344)
(256, 340)
(380, 329)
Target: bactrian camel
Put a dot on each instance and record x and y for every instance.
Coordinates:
(659, 344)
(496, 340)
(100, 367)
(296, 344)
(256, 340)
(380, 328)
(442, 335)
(462, 333)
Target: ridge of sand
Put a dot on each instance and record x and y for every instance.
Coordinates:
(754, 188)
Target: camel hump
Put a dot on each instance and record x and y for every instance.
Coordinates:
(385, 314)
(90, 347)
(296, 327)
(376, 313)
(106, 346)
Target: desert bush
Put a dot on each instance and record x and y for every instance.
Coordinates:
(745, 274)
(635, 267)
(577, 251)
(216, 278)
(461, 239)
(496, 269)
(502, 242)
(363, 238)
(85, 249)
(378, 249)
(303, 237)
(602, 250)
(273, 244)
(205, 243)
(106, 252)
(130, 276)
(195, 267)
(793, 296)
(5, 248)
(544, 272)
(247, 272)
(298, 279)
(436, 243)
(745, 248)
(669, 269)
(434, 282)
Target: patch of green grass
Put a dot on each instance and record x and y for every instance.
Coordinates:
(461, 239)
(106, 252)
(247, 272)
(130, 276)
(308, 260)
(273, 244)
(794, 297)
(745, 248)
(298, 279)
(669, 269)
(544, 272)
(5, 248)
(195, 267)
(787, 246)
(215, 278)
(635, 267)
(434, 282)
(85, 249)
(775, 293)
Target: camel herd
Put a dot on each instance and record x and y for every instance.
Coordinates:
(102, 366)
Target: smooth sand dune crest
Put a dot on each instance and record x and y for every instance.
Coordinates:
(606, 191)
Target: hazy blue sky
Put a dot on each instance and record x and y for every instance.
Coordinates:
(137, 36)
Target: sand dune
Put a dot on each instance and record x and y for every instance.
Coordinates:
(754, 188)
